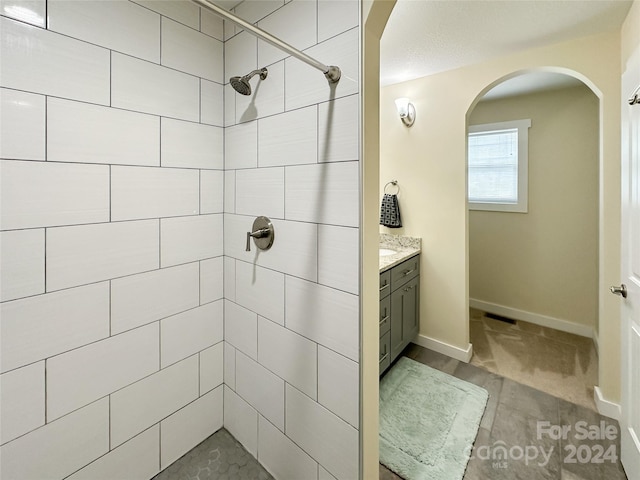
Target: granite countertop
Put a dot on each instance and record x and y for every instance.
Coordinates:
(406, 247)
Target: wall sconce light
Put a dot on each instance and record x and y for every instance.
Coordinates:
(406, 110)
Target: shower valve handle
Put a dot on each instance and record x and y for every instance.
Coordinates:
(261, 232)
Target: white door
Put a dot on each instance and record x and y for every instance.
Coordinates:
(630, 313)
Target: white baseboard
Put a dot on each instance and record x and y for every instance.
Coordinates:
(542, 320)
(461, 354)
(604, 406)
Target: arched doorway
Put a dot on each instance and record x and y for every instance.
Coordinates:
(533, 273)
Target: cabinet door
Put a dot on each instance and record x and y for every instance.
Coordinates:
(404, 315)
(385, 284)
(385, 315)
(385, 358)
(410, 310)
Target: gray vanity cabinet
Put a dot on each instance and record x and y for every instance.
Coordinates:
(404, 315)
(399, 309)
(385, 321)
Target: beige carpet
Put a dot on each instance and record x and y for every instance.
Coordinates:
(559, 363)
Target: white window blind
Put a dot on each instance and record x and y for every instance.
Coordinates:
(493, 166)
(497, 166)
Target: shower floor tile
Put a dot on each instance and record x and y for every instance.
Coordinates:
(219, 457)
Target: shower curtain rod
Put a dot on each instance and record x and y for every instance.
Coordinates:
(331, 72)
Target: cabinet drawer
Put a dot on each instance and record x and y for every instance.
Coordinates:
(385, 352)
(385, 284)
(404, 272)
(385, 315)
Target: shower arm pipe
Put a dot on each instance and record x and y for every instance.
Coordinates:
(331, 72)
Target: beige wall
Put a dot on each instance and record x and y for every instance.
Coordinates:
(375, 15)
(429, 162)
(630, 40)
(544, 261)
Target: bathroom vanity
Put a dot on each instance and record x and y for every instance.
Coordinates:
(399, 298)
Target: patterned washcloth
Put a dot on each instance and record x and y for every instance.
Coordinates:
(390, 211)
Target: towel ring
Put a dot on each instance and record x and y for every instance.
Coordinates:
(395, 184)
(634, 99)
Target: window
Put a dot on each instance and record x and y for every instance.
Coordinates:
(497, 166)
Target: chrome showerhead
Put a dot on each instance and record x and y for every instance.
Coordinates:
(242, 85)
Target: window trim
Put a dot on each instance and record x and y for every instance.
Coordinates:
(522, 205)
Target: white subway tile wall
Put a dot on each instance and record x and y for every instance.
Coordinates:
(237, 62)
(42, 61)
(131, 172)
(64, 445)
(111, 266)
(42, 194)
(140, 405)
(190, 51)
(22, 253)
(190, 425)
(22, 397)
(137, 458)
(279, 24)
(85, 133)
(327, 438)
(241, 419)
(211, 24)
(190, 332)
(261, 388)
(211, 367)
(23, 125)
(91, 372)
(305, 330)
(281, 456)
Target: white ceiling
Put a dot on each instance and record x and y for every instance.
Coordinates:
(530, 83)
(423, 37)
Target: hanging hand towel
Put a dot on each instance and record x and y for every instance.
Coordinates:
(390, 211)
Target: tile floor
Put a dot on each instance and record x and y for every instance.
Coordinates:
(512, 420)
(219, 457)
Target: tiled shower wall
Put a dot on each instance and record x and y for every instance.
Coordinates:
(111, 319)
(292, 340)
(112, 194)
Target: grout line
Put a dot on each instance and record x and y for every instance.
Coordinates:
(160, 243)
(45, 263)
(160, 41)
(110, 303)
(46, 392)
(110, 78)
(110, 423)
(46, 128)
(160, 344)
(159, 446)
(160, 122)
(110, 193)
